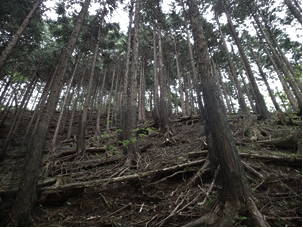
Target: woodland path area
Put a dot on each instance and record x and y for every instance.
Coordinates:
(163, 188)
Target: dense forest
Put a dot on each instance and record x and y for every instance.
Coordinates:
(200, 101)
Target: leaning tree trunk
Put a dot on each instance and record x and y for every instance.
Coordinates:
(69, 132)
(12, 44)
(82, 128)
(55, 136)
(131, 116)
(292, 84)
(289, 95)
(244, 83)
(283, 57)
(260, 103)
(26, 195)
(294, 10)
(235, 195)
(18, 116)
(241, 100)
(272, 96)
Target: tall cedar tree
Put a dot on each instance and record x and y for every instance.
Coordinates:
(235, 195)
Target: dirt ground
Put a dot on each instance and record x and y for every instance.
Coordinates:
(270, 149)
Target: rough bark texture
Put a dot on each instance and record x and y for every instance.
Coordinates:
(131, 116)
(26, 196)
(222, 149)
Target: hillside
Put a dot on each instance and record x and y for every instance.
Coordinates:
(171, 183)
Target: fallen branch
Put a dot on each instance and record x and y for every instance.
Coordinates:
(93, 183)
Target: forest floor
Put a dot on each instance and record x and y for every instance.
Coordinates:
(98, 191)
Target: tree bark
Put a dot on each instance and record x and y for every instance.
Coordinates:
(223, 154)
(13, 42)
(131, 117)
(122, 123)
(163, 92)
(26, 195)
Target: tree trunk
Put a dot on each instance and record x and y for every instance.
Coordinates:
(169, 105)
(82, 128)
(224, 90)
(13, 42)
(218, 84)
(163, 92)
(179, 80)
(131, 117)
(260, 103)
(122, 123)
(266, 82)
(140, 95)
(26, 195)
(244, 83)
(241, 99)
(192, 103)
(289, 95)
(186, 90)
(235, 194)
(69, 132)
(283, 57)
(292, 84)
(294, 10)
(100, 105)
(54, 140)
(109, 101)
(192, 62)
(156, 112)
(18, 116)
(115, 102)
